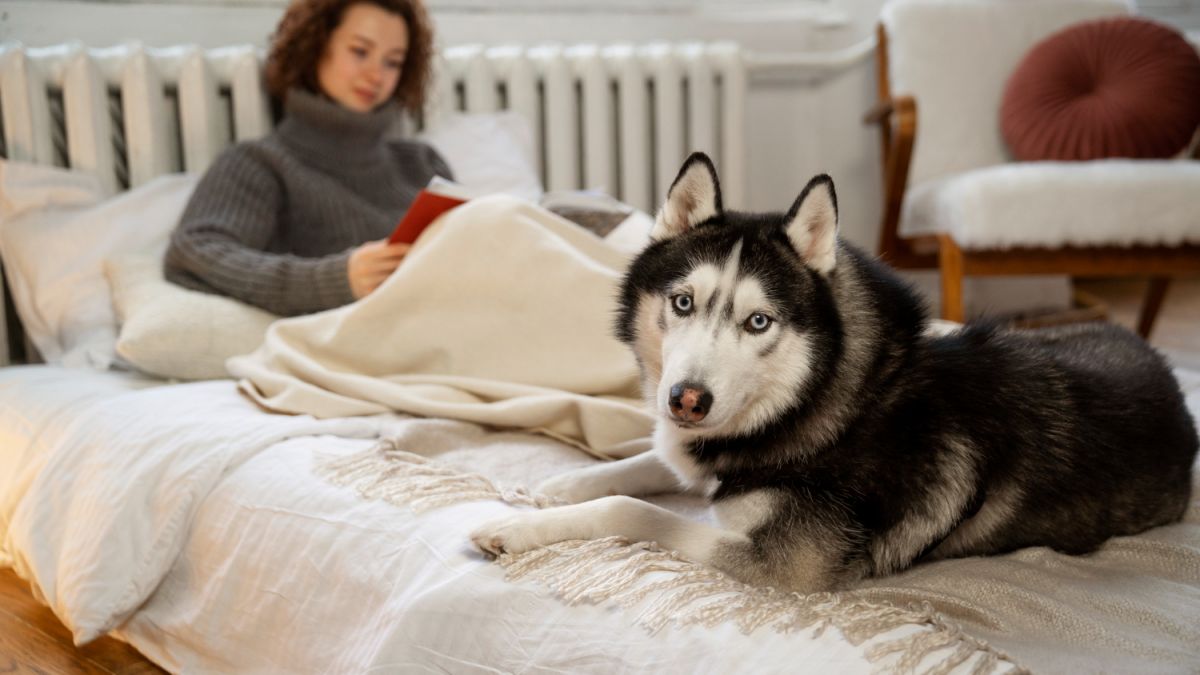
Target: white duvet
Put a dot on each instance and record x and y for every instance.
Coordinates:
(193, 524)
(196, 527)
(108, 500)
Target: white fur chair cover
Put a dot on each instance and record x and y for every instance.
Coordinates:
(1048, 204)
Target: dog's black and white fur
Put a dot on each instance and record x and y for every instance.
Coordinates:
(795, 385)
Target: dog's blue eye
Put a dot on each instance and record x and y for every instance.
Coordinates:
(758, 322)
(682, 303)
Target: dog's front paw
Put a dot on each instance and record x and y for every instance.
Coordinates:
(511, 534)
(573, 487)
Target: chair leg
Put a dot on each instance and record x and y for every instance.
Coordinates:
(950, 261)
(1151, 303)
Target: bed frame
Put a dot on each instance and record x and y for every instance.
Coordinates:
(619, 117)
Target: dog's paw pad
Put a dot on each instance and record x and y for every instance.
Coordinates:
(506, 535)
(491, 544)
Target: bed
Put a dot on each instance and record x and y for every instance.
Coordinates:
(144, 495)
(281, 570)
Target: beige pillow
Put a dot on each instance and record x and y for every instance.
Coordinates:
(173, 332)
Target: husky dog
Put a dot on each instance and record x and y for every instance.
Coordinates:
(794, 385)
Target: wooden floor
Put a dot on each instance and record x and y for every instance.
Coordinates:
(32, 640)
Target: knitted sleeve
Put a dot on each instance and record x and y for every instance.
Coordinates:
(219, 244)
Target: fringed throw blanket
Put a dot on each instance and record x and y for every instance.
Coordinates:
(501, 314)
(665, 588)
(1130, 607)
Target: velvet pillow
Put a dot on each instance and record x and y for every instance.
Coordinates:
(1116, 87)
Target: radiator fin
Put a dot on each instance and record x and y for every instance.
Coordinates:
(618, 118)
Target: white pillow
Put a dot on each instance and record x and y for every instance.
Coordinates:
(174, 332)
(53, 255)
(488, 152)
(24, 187)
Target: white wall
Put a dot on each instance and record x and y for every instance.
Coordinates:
(808, 89)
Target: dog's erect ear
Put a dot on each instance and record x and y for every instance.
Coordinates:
(694, 197)
(812, 224)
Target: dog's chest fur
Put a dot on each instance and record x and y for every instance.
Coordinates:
(674, 448)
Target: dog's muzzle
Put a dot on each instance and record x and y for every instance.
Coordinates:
(690, 402)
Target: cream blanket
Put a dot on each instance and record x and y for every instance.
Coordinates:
(501, 314)
(1131, 607)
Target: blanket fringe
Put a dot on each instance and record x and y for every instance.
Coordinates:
(401, 478)
(675, 591)
(682, 593)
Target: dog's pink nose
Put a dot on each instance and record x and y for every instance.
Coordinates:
(689, 402)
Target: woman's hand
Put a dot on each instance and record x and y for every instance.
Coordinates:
(372, 263)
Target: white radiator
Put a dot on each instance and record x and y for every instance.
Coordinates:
(619, 118)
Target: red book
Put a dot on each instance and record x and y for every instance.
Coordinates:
(435, 199)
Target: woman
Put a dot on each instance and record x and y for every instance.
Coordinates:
(280, 222)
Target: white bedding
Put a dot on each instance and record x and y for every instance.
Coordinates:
(196, 527)
(277, 570)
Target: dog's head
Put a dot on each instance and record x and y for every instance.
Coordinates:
(730, 314)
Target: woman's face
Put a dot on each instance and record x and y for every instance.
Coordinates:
(364, 57)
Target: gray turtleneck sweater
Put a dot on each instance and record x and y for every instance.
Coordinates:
(273, 221)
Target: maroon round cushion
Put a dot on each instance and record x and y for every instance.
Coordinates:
(1116, 87)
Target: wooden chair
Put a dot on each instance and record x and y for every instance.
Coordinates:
(965, 107)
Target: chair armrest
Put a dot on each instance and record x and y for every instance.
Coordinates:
(882, 112)
(879, 112)
(897, 119)
(899, 123)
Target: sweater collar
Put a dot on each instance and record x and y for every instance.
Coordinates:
(326, 133)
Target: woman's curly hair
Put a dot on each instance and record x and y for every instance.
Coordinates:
(303, 32)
